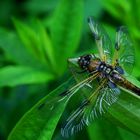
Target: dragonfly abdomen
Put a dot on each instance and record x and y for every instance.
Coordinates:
(105, 69)
(121, 81)
(128, 85)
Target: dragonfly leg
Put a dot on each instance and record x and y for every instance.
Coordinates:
(83, 71)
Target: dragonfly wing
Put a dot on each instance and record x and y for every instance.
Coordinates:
(80, 75)
(108, 96)
(93, 107)
(102, 39)
(101, 102)
(124, 51)
(68, 93)
(75, 122)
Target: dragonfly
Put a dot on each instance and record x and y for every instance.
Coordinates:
(100, 77)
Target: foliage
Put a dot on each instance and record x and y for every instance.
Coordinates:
(36, 39)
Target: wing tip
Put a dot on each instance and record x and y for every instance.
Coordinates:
(69, 130)
(90, 19)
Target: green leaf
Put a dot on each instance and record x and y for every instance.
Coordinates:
(65, 28)
(92, 8)
(126, 111)
(14, 50)
(127, 135)
(104, 130)
(40, 121)
(36, 7)
(30, 39)
(46, 44)
(17, 75)
(113, 6)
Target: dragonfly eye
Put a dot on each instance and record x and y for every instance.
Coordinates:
(84, 61)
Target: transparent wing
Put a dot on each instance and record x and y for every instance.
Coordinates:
(102, 40)
(93, 107)
(124, 51)
(70, 92)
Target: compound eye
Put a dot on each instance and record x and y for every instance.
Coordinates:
(101, 67)
(81, 61)
(84, 61)
(88, 57)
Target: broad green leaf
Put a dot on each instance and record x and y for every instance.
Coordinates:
(126, 111)
(37, 123)
(127, 135)
(65, 28)
(104, 130)
(40, 121)
(17, 75)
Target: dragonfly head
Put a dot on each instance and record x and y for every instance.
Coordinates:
(84, 61)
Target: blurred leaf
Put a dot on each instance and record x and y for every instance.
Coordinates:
(7, 10)
(113, 7)
(92, 8)
(39, 6)
(130, 10)
(16, 75)
(65, 28)
(46, 44)
(30, 40)
(40, 122)
(14, 50)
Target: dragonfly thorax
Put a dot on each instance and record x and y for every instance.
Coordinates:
(91, 64)
(105, 68)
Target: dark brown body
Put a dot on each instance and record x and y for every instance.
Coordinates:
(121, 81)
(92, 65)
